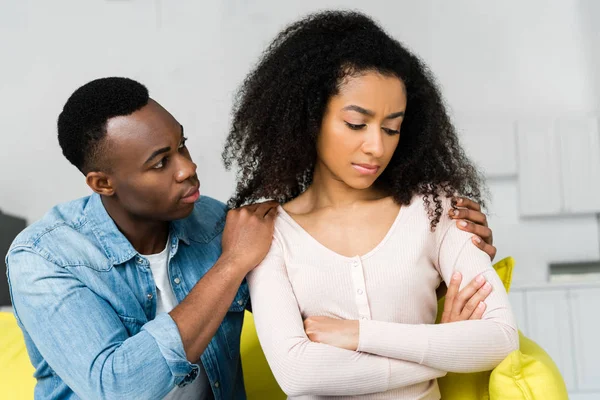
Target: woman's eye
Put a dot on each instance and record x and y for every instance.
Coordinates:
(355, 127)
(391, 131)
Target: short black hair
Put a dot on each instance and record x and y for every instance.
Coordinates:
(280, 106)
(82, 122)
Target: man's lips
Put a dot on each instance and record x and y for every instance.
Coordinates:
(192, 194)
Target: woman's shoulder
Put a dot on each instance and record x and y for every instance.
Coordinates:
(299, 205)
(442, 201)
(426, 208)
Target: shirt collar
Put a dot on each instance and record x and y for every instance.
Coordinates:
(115, 245)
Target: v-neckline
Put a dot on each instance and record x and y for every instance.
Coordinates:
(368, 254)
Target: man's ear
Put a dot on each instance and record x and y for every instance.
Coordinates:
(100, 183)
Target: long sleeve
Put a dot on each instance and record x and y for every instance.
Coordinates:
(466, 346)
(302, 367)
(63, 316)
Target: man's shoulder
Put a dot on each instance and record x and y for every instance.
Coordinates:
(60, 230)
(210, 206)
(207, 220)
(61, 217)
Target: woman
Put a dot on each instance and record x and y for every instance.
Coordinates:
(346, 128)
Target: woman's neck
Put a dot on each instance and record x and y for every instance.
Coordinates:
(327, 190)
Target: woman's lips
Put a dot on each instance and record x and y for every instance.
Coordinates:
(366, 169)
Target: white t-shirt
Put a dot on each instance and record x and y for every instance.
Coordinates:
(199, 389)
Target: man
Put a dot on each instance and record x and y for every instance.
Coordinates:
(138, 291)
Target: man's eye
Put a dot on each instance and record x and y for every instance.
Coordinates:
(160, 164)
(182, 144)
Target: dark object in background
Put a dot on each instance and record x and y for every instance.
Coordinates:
(10, 227)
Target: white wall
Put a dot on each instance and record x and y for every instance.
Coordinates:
(507, 69)
(494, 59)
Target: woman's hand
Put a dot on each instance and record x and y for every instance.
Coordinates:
(469, 218)
(334, 332)
(467, 303)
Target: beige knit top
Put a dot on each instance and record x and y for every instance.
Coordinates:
(391, 291)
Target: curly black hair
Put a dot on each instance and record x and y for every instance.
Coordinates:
(82, 122)
(279, 108)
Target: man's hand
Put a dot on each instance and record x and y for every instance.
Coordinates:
(246, 240)
(469, 218)
(334, 332)
(467, 303)
(248, 234)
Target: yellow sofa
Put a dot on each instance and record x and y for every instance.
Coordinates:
(528, 373)
(16, 372)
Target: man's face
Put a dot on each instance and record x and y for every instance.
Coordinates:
(150, 168)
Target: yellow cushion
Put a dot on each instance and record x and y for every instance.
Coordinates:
(528, 373)
(16, 371)
(258, 378)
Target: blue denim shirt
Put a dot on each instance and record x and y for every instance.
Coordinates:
(86, 302)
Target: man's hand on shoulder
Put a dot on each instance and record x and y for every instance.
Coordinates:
(248, 234)
(470, 218)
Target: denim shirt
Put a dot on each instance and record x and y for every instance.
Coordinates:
(86, 302)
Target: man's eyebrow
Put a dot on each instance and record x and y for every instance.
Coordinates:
(157, 152)
(163, 149)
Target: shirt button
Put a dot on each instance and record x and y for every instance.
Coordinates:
(355, 264)
(217, 384)
(140, 261)
(240, 302)
(177, 281)
(359, 291)
(364, 318)
(149, 296)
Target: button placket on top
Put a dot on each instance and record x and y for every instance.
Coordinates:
(360, 291)
(150, 302)
(174, 272)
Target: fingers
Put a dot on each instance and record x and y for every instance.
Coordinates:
(487, 248)
(478, 313)
(259, 209)
(483, 232)
(475, 303)
(309, 328)
(451, 296)
(264, 208)
(272, 213)
(251, 207)
(467, 203)
(474, 216)
(464, 296)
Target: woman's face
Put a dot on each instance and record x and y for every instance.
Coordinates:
(361, 129)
